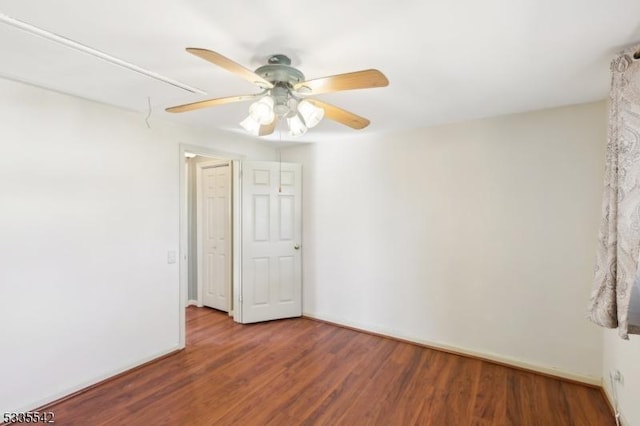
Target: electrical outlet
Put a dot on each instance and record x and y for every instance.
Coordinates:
(171, 257)
(618, 377)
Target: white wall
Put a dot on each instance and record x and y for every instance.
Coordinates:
(478, 236)
(85, 226)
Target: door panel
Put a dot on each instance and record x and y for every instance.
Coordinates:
(272, 232)
(287, 217)
(261, 218)
(261, 281)
(286, 267)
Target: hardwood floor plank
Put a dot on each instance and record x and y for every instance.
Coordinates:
(519, 386)
(377, 387)
(342, 399)
(434, 408)
(404, 396)
(586, 409)
(490, 404)
(304, 372)
(302, 404)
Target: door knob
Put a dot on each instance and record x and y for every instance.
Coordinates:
(297, 247)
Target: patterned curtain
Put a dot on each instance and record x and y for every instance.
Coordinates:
(616, 272)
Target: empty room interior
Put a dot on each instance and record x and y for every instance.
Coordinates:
(362, 212)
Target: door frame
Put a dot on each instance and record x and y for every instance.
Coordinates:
(183, 231)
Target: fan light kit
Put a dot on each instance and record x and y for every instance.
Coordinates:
(286, 95)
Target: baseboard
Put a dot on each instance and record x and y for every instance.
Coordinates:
(192, 302)
(45, 403)
(595, 382)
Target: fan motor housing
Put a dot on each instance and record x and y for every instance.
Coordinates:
(279, 71)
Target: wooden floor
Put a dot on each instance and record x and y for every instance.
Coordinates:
(303, 372)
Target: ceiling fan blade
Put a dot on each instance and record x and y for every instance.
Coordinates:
(268, 129)
(353, 80)
(229, 65)
(212, 102)
(340, 115)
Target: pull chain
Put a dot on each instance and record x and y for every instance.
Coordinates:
(280, 163)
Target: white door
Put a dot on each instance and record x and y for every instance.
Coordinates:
(214, 234)
(271, 241)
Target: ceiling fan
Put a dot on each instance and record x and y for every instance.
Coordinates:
(286, 95)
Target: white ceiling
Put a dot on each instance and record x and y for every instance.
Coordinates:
(446, 61)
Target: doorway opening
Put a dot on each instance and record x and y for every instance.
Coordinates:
(209, 209)
(257, 275)
(209, 228)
